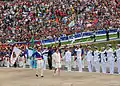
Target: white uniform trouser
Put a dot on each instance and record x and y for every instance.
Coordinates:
(40, 64)
(118, 64)
(5, 63)
(21, 63)
(111, 66)
(79, 62)
(89, 66)
(1, 63)
(45, 62)
(8, 64)
(73, 62)
(29, 63)
(44, 65)
(83, 63)
(103, 64)
(68, 65)
(97, 66)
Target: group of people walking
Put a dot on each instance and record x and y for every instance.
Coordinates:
(96, 60)
(71, 58)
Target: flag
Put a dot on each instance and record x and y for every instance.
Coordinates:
(32, 42)
(71, 24)
(15, 53)
(30, 52)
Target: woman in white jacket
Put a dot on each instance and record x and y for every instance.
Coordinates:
(57, 61)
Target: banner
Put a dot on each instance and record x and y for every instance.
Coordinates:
(15, 53)
(30, 53)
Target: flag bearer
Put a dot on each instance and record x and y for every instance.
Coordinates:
(40, 61)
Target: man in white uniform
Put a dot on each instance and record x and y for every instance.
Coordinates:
(89, 58)
(103, 59)
(79, 58)
(96, 60)
(110, 58)
(68, 59)
(118, 58)
(57, 61)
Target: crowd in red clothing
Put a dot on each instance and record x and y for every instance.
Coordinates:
(21, 19)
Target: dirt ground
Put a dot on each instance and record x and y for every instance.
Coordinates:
(26, 77)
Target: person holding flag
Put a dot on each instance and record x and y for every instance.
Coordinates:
(37, 55)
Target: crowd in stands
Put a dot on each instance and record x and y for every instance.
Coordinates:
(21, 19)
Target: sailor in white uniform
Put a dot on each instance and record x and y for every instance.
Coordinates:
(96, 60)
(79, 58)
(110, 58)
(118, 58)
(68, 59)
(103, 59)
(89, 59)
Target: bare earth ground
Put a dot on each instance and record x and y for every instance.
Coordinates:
(26, 77)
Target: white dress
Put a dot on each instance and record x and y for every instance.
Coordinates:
(57, 60)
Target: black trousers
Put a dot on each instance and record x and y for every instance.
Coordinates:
(118, 34)
(50, 62)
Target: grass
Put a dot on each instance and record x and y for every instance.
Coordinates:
(113, 35)
(85, 40)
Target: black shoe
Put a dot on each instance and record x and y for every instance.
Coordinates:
(36, 75)
(42, 76)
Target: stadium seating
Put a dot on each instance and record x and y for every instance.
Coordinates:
(47, 20)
